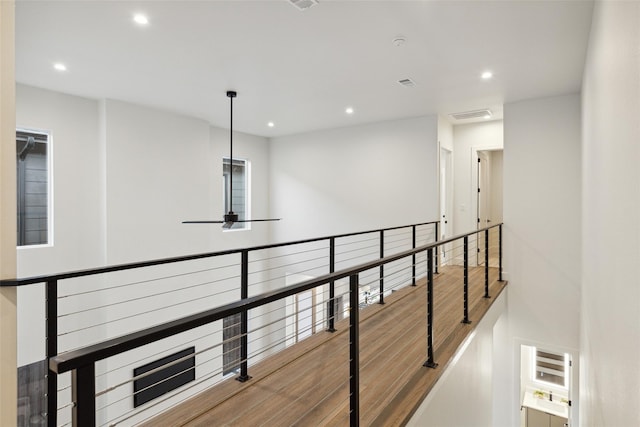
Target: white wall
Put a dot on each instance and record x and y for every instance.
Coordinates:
(542, 215)
(73, 125)
(159, 172)
(356, 178)
(445, 133)
(124, 177)
(610, 321)
(463, 395)
(467, 140)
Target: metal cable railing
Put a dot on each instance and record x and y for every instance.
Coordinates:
(90, 306)
(400, 269)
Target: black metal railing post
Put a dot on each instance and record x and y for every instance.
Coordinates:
(500, 253)
(51, 325)
(437, 249)
(486, 264)
(83, 394)
(244, 318)
(354, 352)
(332, 285)
(430, 363)
(382, 267)
(466, 280)
(413, 257)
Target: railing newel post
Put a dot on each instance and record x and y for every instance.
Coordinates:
(332, 285)
(381, 267)
(486, 264)
(51, 325)
(466, 280)
(413, 257)
(83, 394)
(354, 352)
(244, 318)
(430, 363)
(500, 253)
(437, 249)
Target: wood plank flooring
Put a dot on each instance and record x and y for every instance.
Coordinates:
(308, 383)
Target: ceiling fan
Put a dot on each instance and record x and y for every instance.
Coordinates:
(231, 217)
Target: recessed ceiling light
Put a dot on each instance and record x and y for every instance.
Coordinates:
(487, 75)
(486, 116)
(140, 19)
(271, 124)
(349, 110)
(60, 66)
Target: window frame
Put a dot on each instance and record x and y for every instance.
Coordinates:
(50, 196)
(239, 226)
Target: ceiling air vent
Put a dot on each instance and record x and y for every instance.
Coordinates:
(407, 83)
(476, 114)
(303, 4)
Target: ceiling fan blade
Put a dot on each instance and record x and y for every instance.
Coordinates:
(257, 220)
(203, 222)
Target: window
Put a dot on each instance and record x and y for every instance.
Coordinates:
(32, 160)
(551, 367)
(231, 344)
(240, 201)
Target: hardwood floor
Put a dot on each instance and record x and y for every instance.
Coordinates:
(308, 383)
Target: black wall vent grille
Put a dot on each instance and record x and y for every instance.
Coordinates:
(164, 380)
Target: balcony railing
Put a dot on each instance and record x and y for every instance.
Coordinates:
(101, 322)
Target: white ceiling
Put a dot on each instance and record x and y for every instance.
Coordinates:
(301, 69)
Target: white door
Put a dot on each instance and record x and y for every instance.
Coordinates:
(484, 200)
(446, 200)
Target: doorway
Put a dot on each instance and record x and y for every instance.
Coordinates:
(446, 203)
(545, 386)
(489, 200)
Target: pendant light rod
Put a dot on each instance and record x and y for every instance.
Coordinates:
(231, 94)
(230, 217)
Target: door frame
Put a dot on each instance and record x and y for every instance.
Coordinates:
(474, 181)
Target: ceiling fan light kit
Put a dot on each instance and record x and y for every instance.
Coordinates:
(230, 217)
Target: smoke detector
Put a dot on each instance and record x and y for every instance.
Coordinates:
(303, 4)
(399, 41)
(476, 114)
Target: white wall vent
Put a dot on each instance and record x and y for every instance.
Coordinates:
(407, 83)
(476, 114)
(303, 4)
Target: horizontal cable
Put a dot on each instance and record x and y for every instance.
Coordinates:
(361, 248)
(63, 389)
(131, 316)
(287, 275)
(358, 241)
(287, 265)
(146, 281)
(152, 295)
(287, 255)
(357, 257)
